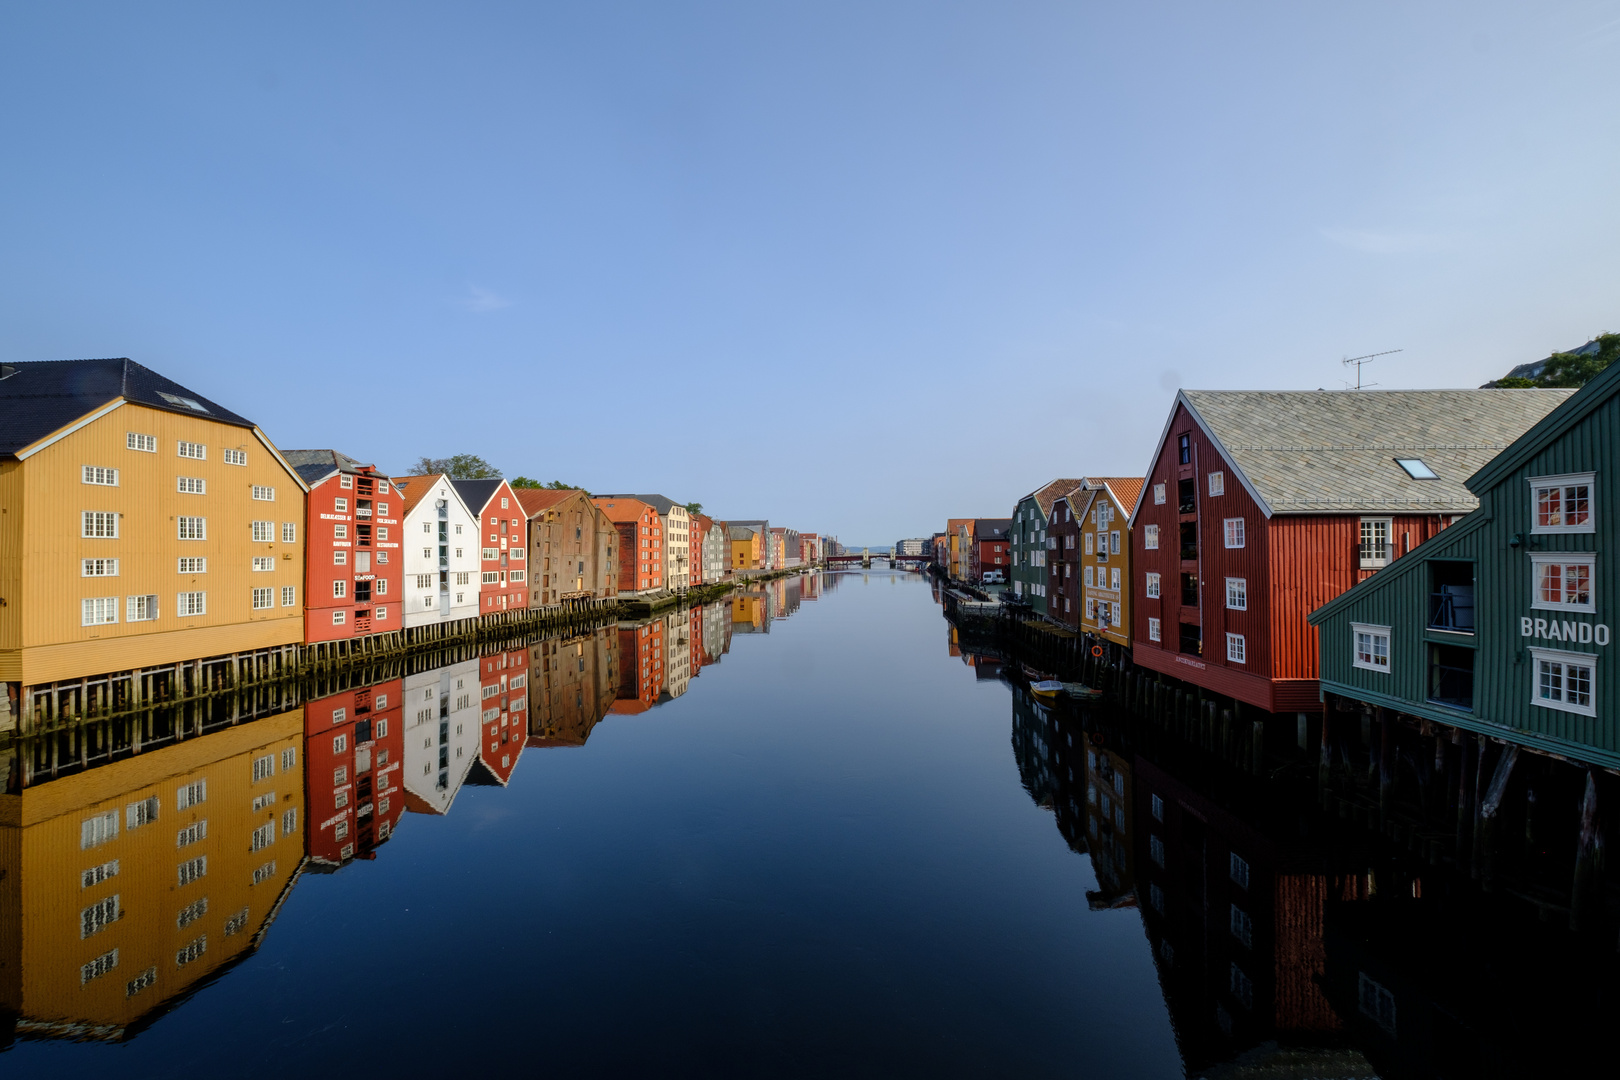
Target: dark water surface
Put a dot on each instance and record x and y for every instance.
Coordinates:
(837, 847)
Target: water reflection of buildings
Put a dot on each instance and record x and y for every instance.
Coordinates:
(641, 666)
(573, 682)
(1108, 815)
(441, 734)
(503, 682)
(354, 759)
(125, 885)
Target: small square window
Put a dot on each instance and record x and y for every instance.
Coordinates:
(1371, 647)
(1236, 650)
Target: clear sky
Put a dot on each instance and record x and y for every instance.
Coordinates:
(854, 267)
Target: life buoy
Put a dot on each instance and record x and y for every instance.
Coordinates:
(1096, 650)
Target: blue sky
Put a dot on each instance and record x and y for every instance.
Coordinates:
(852, 267)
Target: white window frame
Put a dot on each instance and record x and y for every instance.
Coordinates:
(1237, 649)
(289, 532)
(1113, 579)
(191, 485)
(1088, 576)
(1237, 589)
(99, 475)
(262, 563)
(1158, 494)
(1217, 483)
(264, 493)
(181, 603)
(98, 611)
(1152, 586)
(98, 568)
(1113, 542)
(198, 526)
(98, 525)
(141, 608)
(1375, 562)
(1154, 633)
(234, 457)
(146, 444)
(1375, 631)
(289, 596)
(1234, 529)
(268, 597)
(1150, 538)
(1564, 481)
(1558, 656)
(198, 564)
(264, 532)
(191, 451)
(1538, 561)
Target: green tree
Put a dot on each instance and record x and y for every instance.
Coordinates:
(525, 482)
(694, 508)
(1515, 382)
(1577, 369)
(458, 467)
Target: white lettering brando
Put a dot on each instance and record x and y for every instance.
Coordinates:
(1564, 630)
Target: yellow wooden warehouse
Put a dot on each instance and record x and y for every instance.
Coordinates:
(142, 528)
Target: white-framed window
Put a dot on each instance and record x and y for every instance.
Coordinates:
(289, 821)
(340, 558)
(515, 575)
(492, 577)
(1565, 681)
(234, 457)
(195, 451)
(340, 589)
(339, 618)
(262, 837)
(192, 870)
(382, 489)
(191, 485)
(95, 474)
(1374, 1001)
(1232, 532)
(191, 912)
(193, 950)
(97, 830)
(1562, 582)
(193, 564)
(380, 586)
(1158, 494)
(1150, 538)
(144, 443)
(1113, 542)
(340, 532)
(341, 505)
(98, 916)
(1217, 483)
(289, 532)
(1371, 647)
(289, 758)
(1088, 549)
(264, 873)
(1091, 610)
(1088, 576)
(1236, 649)
(1562, 504)
(191, 603)
(1237, 593)
(264, 598)
(98, 967)
(345, 481)
(99, 568)
(264, 532)
(98, 610)
(197, 830)
(1113, 578)
(192, 528)
(188, 795)
(1152, 586)
(264, 493)
(142, 608)
(340, 744)
(1375, 548)
(144, 981)
(289, 596)
(262, 563)
(99, 525)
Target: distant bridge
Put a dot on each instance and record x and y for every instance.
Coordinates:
(864, 559)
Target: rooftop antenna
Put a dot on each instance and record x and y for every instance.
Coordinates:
(1358, 361)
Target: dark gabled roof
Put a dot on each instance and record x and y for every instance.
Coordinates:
(40, 397)
(316, 465)
(991, 528)
(1571, 411)
(477, 493)
(659, 503)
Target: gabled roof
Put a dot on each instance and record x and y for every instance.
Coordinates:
(539, 500)
(316, 465)
(1124, 490)
(1051, 492)
(659, 503)
(1321, 452)
(1079, 501)
(740, 532)
(416, 488)
(477, 493)
(39, 398)
(991, 528)
(620, 508)
(1577, 407)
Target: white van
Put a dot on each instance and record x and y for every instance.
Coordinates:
(993, 577)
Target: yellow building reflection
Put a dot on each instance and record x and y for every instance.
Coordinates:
(123, 886)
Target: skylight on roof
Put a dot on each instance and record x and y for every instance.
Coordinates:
(1416, 469)
(183, 402)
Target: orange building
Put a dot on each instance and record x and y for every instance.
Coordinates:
(641, 543)
(641, 667)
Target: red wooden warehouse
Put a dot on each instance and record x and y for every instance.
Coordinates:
(354, 743)
(641, 543)
(1261, 507)
(353, 573)
(503, 540)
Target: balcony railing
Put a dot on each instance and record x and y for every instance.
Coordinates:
(1452, 608)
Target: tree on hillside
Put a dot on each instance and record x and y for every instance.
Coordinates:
(1576, 369)
(458, 467)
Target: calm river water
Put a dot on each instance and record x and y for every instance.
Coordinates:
(803, 832)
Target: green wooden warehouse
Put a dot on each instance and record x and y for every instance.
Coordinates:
(1028, 541)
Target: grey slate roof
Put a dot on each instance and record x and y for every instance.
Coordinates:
(313, 465)
(657, 502)
(1314, 452)
(991, 528)
(476, 493)
(739, 532)
(40, 397)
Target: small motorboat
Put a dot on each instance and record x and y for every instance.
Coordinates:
(1046, 688)
(1080, 691)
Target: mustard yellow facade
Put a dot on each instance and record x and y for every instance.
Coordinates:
(123, 886)
(139, 537)
(1105, 560)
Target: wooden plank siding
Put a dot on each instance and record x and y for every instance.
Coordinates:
(1587, 439)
